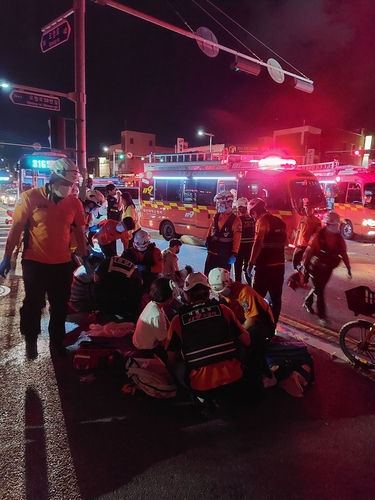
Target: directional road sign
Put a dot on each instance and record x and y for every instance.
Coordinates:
(55, 36)
(32, 100)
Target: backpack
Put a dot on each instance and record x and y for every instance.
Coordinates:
(92, 355)
(289, 357)
(151, 376)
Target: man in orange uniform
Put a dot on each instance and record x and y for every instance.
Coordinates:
(207, 334)
(267, 254)
(308, 225)
(109, 231)
(148, 258)
(224, 235)
(47, 215)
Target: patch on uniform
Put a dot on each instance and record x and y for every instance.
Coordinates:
(245, 305)
(19, 201)
(108, 227)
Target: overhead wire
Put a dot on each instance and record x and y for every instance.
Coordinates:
(248, 32)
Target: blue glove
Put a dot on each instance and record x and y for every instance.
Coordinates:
(141, 267)
(232, 259)
(94, 229)
(5, 266)
(249, 270)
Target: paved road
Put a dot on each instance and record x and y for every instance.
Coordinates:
(66, 436)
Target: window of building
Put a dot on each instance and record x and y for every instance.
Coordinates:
(150, 142)
(131, 140)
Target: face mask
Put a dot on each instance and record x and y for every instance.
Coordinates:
(333, 228)
(63, 191)
(226, 292)
(177, 251)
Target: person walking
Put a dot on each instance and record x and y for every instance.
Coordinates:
(170, 259)
(323, 254)
(308, 225)
(47, 215)
(224, 234)
(247, 240)
(114, 203)
(267, 255)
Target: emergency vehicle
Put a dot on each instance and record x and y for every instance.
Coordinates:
(177, 190)
(350, 192)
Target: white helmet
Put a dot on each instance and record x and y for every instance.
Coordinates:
(224, 197)
(258, 204)
(219, 279)
(95, 196)
(194, 279)
(141, 240)
(66, 169)
(242, 202)
(331, 218)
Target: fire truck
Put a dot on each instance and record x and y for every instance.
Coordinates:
(349, 191)
(177, 190)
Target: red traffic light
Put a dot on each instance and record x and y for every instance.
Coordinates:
(356, 152)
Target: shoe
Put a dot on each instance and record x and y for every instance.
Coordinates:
(31, 349)
(323, 322)
(308, 308)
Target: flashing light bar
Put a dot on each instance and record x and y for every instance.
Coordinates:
(275, 161)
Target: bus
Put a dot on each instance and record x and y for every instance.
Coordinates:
(349, 191)
(177, 191)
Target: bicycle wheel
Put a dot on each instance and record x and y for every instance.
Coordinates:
(352, 335)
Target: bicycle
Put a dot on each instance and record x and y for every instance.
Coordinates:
(357, 338)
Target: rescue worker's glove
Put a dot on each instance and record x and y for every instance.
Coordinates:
(141, 267)
(349, 274)
(232, 259)
(5, 266)
(94, 229)
(250, 270)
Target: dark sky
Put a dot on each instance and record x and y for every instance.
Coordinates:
(144, 77)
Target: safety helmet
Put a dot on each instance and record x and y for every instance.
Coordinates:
(224, 197)
(95, 196)
(194, 279)
(141, 240)
(65, 169)
(331, 218)
(219, 279)
(257, 204)
(242, 202)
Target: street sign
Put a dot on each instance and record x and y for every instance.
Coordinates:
(32, 100)
(55, 36)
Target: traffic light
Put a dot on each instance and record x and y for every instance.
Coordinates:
(121, 156)
(246, 66)
(57, 137)
(357, 152)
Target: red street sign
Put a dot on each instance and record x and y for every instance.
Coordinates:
(23, 98)
(55, 36)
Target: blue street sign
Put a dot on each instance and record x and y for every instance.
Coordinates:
(55, 36)
(23, 98)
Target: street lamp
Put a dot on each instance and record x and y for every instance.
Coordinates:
(202, 132)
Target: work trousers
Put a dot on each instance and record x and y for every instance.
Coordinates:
(320, 280)
(213, 261)
(270, 279)
(242, 262)
(40, 279)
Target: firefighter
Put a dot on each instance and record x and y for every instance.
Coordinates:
(247, 240)
(267, 255)
(308, 225)
(149, 259)
(224, 235)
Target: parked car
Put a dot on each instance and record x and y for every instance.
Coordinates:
(9, 197)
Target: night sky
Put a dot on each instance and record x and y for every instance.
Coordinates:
(143, 77)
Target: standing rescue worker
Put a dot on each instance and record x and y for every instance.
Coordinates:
(247, 240)
(267, 255)
(47, 215)
(114, 203)
(308, 225)
(224, 235)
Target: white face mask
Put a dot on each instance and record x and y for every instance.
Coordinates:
(63, 191)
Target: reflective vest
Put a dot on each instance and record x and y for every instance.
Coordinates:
(221, 240)
(272, 251)
(248, 229)
(206, 337)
